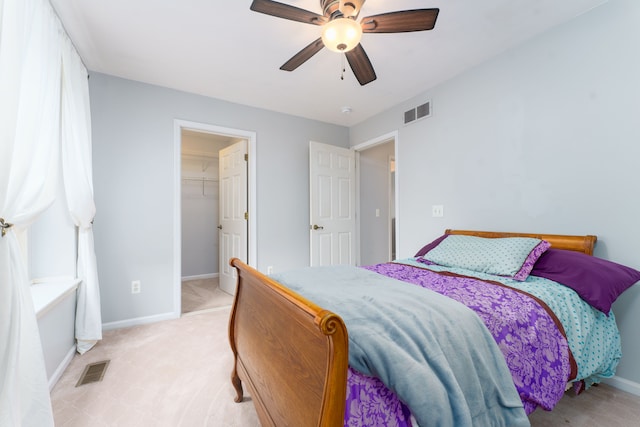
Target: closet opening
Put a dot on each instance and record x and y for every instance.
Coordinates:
(213, 186)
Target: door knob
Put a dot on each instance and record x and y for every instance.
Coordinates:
(220, 227)
(317, 227)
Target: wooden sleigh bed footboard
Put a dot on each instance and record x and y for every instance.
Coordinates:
(291, 355)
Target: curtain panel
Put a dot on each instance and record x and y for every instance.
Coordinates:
(30, 67)
(78, 184)
(40, 74)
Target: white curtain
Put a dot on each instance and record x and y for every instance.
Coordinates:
(78, 184)
(30, 64)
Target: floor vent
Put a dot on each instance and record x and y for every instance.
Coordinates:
(417, 113)
(93, 372)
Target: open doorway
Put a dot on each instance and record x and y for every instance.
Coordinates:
(376, 199)
(200, 199)
(200, 205)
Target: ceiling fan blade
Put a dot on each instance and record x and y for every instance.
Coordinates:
(301, 57)
(351, 7)
(400, 22)
(285, 11)
(361, 66)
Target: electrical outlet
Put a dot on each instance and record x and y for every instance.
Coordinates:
(437, 211)
(135, 287)
(270, 269)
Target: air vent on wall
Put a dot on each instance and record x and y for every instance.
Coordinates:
(417, 113)
(409, 116)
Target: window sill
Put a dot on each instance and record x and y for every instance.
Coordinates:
(48, 294)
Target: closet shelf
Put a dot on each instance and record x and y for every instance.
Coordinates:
(201, 179)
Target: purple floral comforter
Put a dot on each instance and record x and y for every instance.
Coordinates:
(527, 332)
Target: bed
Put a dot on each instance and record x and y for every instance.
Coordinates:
(292, 351)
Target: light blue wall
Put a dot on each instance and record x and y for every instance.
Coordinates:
(543, 138)
(133, 166)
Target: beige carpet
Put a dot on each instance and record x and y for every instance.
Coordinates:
(173, 373)
(176, 374)
(203, 294)
(601, 406)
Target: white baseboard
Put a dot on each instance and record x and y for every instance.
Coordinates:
(139, 321)
(62, 367)
(201, 276)
(624, 385)
(208, 310)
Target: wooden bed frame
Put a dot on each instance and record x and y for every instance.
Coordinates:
(293, 355)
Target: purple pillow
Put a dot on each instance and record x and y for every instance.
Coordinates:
(431, 245)
(599, 282)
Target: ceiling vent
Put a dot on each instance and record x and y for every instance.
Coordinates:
(417, 113)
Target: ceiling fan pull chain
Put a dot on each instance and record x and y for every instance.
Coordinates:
(343, 68)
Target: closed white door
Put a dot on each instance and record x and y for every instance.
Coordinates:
(332, 205)
(233, 211)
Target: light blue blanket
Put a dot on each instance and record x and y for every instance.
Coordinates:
(433, 352)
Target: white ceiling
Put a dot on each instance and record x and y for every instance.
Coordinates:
(221, 49)
(202, 144)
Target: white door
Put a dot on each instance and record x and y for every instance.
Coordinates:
(233, 211)
(332, 205)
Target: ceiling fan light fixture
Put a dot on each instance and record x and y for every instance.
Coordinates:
(341, 34)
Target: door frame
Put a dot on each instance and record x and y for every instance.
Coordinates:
(382, 139)
(252, 251)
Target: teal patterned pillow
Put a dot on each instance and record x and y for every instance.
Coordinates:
(509, 256)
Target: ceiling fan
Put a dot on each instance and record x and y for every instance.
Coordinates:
(341, 32)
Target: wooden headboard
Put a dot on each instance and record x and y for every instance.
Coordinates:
(583, 244)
